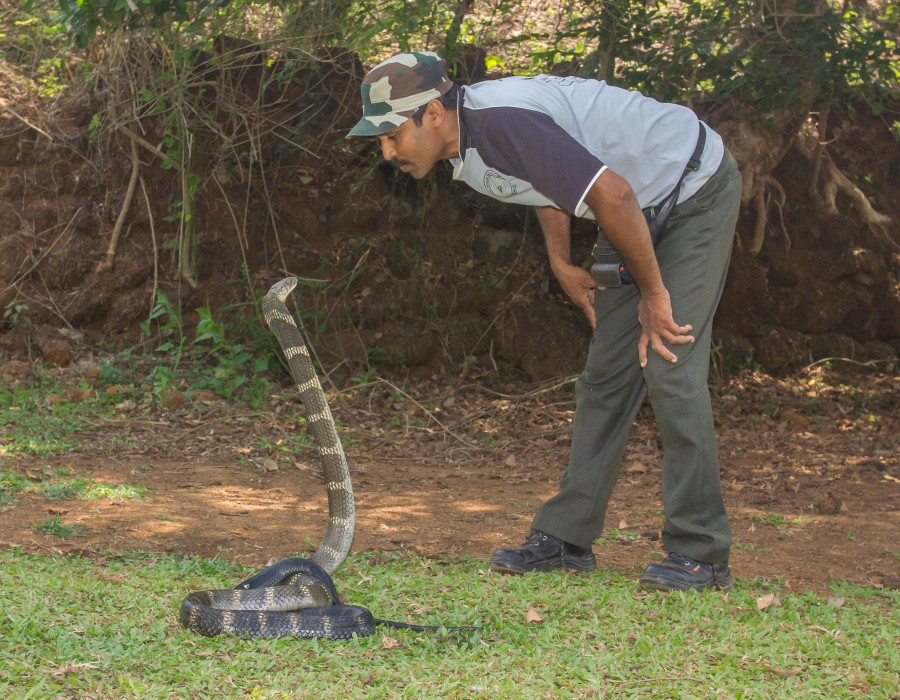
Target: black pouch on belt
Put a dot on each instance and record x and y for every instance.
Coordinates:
(608, 269)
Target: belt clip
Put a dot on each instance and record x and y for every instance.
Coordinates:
(607, 275)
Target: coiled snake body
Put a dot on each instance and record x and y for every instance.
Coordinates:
(294, 597)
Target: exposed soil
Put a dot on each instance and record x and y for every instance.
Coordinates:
(809, 468)
(403, 273)
(453, 293)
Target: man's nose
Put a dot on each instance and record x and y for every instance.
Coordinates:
(387, 149)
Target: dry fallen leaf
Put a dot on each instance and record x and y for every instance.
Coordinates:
(532, 617)
(389, 642)
(636, 468)
(785, 672)
(622, 524)
(67, 548)
(766, 601)
(836, 602)
(794, 419)
(71, 669)
(267, 464)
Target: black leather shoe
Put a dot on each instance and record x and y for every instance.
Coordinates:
(542, 552)
(678, 572)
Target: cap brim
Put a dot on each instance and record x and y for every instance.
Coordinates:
(366, 128)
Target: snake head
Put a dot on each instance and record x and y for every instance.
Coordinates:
(283, 288)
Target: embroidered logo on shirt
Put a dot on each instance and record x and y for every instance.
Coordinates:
(561, 81)
(498, 185)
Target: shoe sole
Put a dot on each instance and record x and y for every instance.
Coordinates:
(579, 564)
(663, 584)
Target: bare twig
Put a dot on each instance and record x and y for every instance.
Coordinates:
(47, 252)
(818, 152)
(759, 229)
(25, 121)
(144, 143)
(153, 243)
(870, 364)
(431, 415)
(123, 212)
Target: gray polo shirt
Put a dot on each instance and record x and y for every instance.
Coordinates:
(544, 141)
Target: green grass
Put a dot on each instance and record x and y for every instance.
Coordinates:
(46, 417)
(64, 485)
(777, 520)
(614, 534)
(11, 483)
(54, 526)
(749, 547)
(32, 425)
(108, 628)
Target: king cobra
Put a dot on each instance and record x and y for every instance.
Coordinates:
(294, 597)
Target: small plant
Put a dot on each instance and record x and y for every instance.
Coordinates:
(94, 127)
(55, 526)
(776, 520)
(430, 312)
(168, 319)
(235, 361)
(376, 354)
(60, 492)
(770, 409)
(750, 547)
(614, 534)
(11, 483)
(14, 311)
(162, 378)
(364, 378)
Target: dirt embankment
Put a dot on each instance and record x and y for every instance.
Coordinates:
(408, 275)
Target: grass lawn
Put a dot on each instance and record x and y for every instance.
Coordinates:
(107, 627)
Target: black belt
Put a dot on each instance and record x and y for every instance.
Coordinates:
(609, 270)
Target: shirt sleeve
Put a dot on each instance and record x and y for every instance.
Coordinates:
(528, 144)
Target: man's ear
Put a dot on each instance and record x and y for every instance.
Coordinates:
(435, 112)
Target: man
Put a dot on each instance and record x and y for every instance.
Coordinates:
(571, 146)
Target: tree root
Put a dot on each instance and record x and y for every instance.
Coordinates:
(758, 152)
(759, 146)
(833, 181)
(765, 189)
(123, 212)
(185, 235)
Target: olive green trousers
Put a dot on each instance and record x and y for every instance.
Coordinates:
(693, 257)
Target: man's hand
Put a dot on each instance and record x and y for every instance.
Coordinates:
(655, 316)
(576, 281)
(579, 285)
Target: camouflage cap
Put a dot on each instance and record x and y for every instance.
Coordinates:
(394, 89)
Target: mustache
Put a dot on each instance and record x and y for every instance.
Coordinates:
(397, 163)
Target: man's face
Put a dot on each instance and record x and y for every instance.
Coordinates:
(413, 149)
